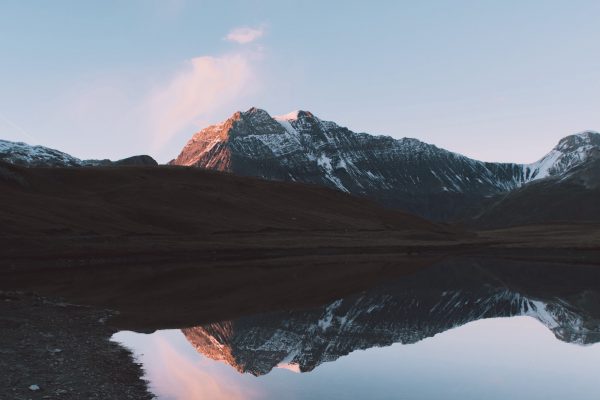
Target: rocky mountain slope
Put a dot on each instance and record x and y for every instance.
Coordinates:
(573, 196)
(402, 173)
(414, 308)
(25, 155)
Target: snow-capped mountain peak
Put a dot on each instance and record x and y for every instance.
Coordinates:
(35, 156)
(581, 141)
(570, 151)
(26, 155)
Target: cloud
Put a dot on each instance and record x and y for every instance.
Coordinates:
(203, 86)
(245, 35)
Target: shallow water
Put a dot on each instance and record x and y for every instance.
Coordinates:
(454, 332)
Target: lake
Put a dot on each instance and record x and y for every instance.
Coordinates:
(459, 330)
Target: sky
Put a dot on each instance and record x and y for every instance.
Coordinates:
(494, 80)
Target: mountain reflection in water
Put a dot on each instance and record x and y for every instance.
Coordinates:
(545, 351)
(566, 299)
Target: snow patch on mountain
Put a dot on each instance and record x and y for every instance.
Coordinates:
(287, 126)
(293, 115)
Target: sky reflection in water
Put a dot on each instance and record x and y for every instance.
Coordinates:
(498, 358)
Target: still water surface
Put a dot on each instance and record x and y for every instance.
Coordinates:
(453, 332)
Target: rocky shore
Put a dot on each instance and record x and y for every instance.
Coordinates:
(50, 349)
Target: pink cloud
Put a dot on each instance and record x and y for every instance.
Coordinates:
(205, 85)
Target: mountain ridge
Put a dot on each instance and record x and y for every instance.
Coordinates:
(405, 174)
(26, 155)
(401, 173)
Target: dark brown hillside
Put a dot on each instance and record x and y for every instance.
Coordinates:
(174, 200)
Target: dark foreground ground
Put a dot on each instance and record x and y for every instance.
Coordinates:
(55, 350)
(175, 247)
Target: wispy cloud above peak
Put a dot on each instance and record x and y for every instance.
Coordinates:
(205, 85)
(244, 35)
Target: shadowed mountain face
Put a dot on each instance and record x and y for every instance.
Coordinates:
(402, 173)
(412, 309)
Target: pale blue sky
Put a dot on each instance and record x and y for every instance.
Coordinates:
(495, 80)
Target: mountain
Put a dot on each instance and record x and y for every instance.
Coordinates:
(25, 155)
(407, 311)
(402, 173)
(570, 152)
(20, 153)
(140, 161)
(571, 196)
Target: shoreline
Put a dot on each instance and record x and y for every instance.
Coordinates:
(55, 350)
